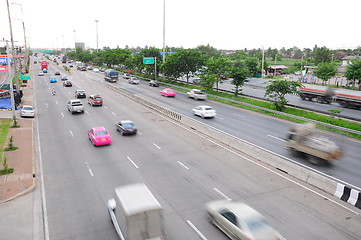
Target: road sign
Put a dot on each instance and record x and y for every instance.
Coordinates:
(24, 77)
(148, 60)
(3, 68)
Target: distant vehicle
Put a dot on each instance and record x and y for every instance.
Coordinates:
(197, 94)
(168, 92)
(27, 111)
(99, 136)
(81, 68)
(90, 68)
(67, 83)
(126, 127)
(133, 80)
(322, 94)
(71, 65)
(80, 94)
(64, 77)
(35, 62)
(44, 65)
(95, 69)
(102, 69)
(95, 100)
(126, 76)
(204, 111)
(136, 214)
(239, 221)
(52, 79)
(75, 106)
(303, 139)
(111, 75)
(63, 59)
(45, 70)
(41, 73)
(153, 83)
(57, 73)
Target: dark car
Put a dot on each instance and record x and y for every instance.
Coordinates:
(80, 94)
(126, 127)
(154, 83)
(67, 83)
(57, 73)
(35, 62)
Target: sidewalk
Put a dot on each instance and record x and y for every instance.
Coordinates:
(20, 204)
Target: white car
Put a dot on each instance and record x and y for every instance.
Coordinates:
(239, 221)
(27, 111)
(41, 73)
(133, 80)
(204, 111)
(95, 69)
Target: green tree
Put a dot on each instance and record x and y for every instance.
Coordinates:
(184, 62)
(322, 55)
(208, 51)
(325, 71)
(353, 72)
(218, 67)
(252, 63)
(278, 89)
(239, 75)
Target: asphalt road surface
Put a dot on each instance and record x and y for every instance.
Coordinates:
(183, 170)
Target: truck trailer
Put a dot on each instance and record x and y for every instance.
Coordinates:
(136, 214)
(111, 75)
(44, 65)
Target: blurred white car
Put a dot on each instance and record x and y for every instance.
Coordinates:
(27, 111)
(95, 69)
(204, 111)
(133, 80)
(239, 221)
(41, 73)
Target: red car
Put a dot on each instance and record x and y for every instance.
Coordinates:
(99, 136)
(95, 100)
(167, 92)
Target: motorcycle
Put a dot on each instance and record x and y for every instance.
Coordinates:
(53, 92)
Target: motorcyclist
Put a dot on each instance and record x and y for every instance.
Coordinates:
(53, 91)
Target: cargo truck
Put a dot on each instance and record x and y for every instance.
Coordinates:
(322, 94)
(304, 140)
(136, 214)
(111, 75)
(44, 65)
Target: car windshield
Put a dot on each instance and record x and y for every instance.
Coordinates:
(80, 91)
(76, 104)
(98, 99)
(208, 108)
(27, 108)
(128, 125)
(101, 133)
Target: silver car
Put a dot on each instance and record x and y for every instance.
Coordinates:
(27, 111)
(133, 80)
(204, 111)
(239, 221)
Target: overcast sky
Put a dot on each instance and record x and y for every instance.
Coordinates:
(223, 24)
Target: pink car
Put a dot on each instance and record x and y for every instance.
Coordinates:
(99, 136)
(168, 92)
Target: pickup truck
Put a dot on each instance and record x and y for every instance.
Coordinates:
(197, 94)
(75, 106)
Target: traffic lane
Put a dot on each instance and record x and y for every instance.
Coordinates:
(181, 146)
(92, 159)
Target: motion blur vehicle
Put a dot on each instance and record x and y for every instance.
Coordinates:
(168, 92)
(57, 73)
(99, 136)
(197, 94)
(126, 127)
(153, 83)
(133, 80)
(126, 76)
(45, 70)
(95, 69)
(102, 69)
(27, 111)
(67, 83)
(95, 100)
(40, 73)
(75, 106)
(204, 111)
(239, 221)
(80, 94)
(52, 79)
(64, 77)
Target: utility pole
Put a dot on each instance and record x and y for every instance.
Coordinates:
(163, 31)
(262, 61)
(96, 24)
(10, 80)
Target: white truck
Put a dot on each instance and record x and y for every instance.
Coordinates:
(136, 214)
(303, 139)
(197, 94)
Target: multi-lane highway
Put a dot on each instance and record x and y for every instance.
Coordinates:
(183, 170)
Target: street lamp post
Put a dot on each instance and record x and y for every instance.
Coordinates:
(163, 31)
(96, 25)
